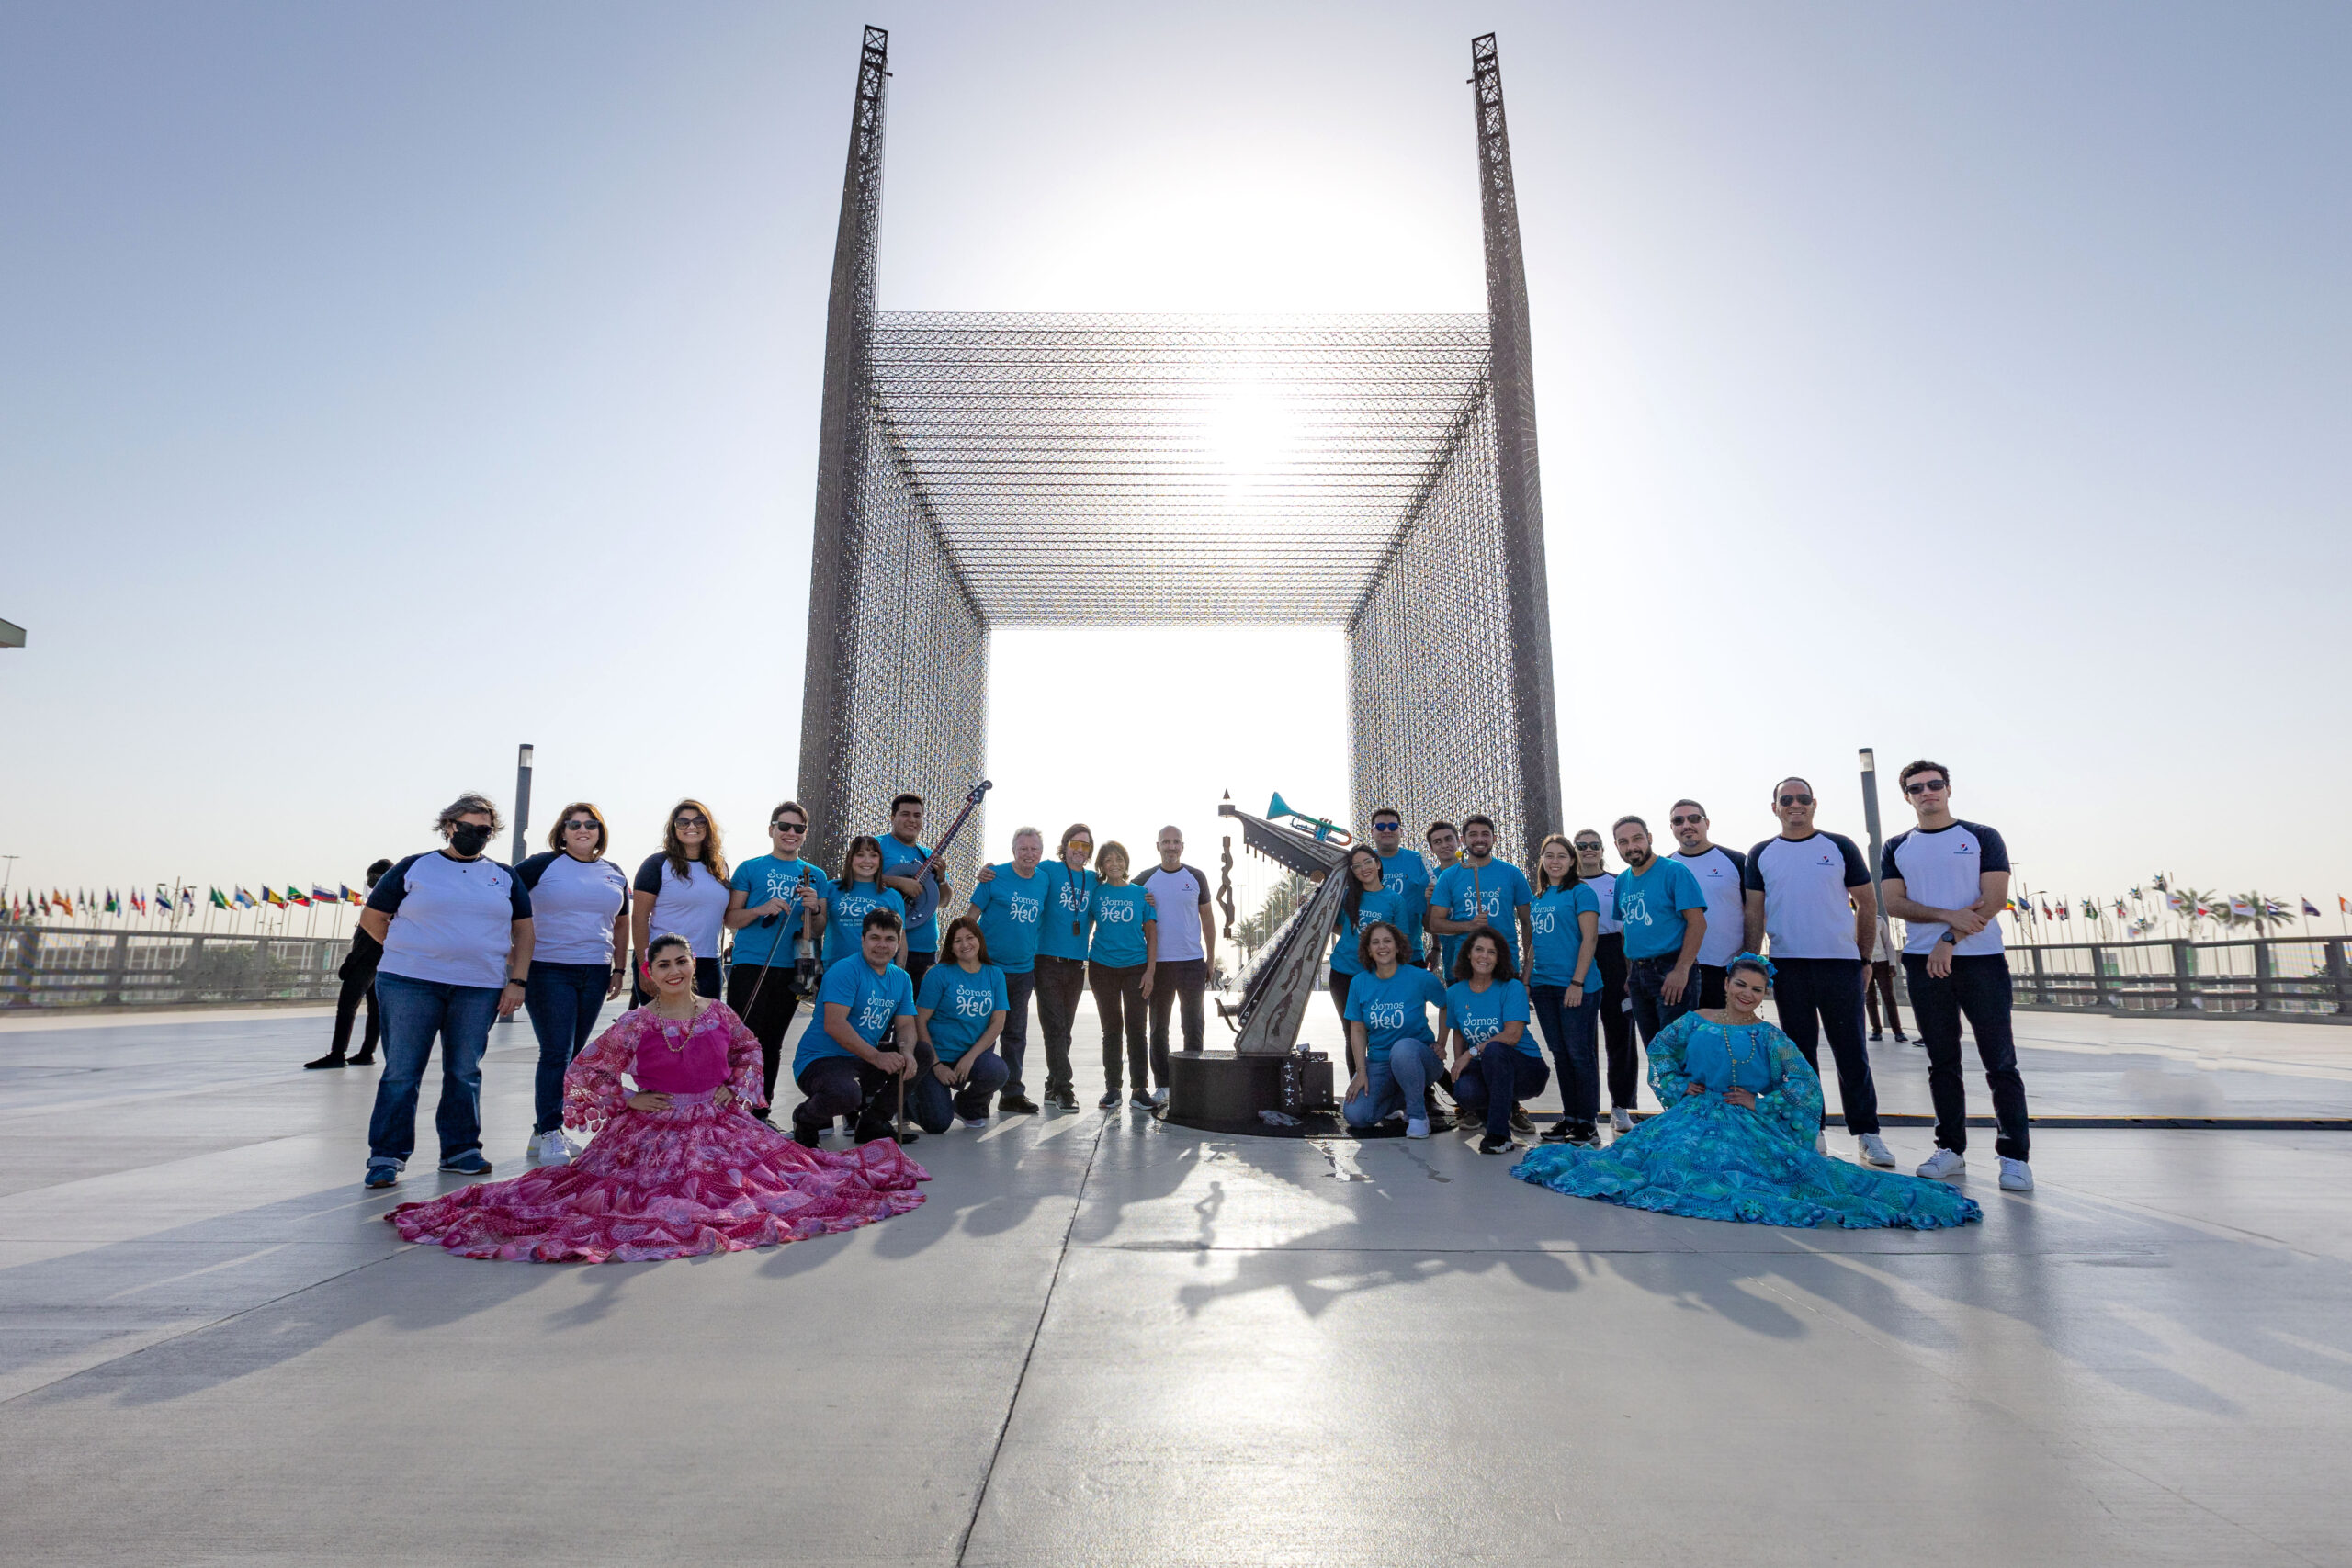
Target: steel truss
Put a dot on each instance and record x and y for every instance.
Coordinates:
(1376, 473)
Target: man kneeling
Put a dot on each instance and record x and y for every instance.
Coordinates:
(843, 1069)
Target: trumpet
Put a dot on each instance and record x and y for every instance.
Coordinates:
(1320, 829)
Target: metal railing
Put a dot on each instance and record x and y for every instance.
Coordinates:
(2284, 978)
(54, 966)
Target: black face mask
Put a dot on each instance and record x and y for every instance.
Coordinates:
(469, 838)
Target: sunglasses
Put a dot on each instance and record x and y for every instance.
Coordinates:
(1588, 848)
(1685, 821)
(689, 822)
(788, 827)
(1921, 786)
(1796, 800)
(1388, 827)
(577, 826)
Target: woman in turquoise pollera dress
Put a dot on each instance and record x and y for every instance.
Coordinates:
(1735, 1141)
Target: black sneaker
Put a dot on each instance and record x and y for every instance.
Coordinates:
(365, 1059)
(805, 1137)
(1141, 1100)
(1110, 1100)
(1586, 1136)
(332, 1059)
(1491, 1144)
(1876, 1037)
(1560, 1131)
(909, 1136)
(1019, 1104)
(873, 1135)
(1520, 1121)
(1062, 1098)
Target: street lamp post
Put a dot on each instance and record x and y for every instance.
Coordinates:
(522, 800)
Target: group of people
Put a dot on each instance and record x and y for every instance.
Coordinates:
(917, 1025)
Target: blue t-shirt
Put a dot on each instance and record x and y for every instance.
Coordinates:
(1558, 934)
(874, 1002)
(1070, 902)
(1651, 906)
(1120, 915)
(1406, 875)
(1481, 1016)
(960, 1005)
(923, 938)
(1498, 887)
(1372, 908)
(846, 906)
(1011, 913)
(764, 878)
(1395, 1009)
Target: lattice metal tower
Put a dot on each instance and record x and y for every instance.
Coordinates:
(1377, 473)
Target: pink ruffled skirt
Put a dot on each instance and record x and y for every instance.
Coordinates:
(673, 1183)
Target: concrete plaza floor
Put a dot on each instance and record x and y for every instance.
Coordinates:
(1105, 1340)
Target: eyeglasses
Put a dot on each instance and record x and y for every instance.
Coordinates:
(1685, 821)
(1388, 827)
(1921, 786)
(1796, 800)
(577, 826)
(788, 827)
(689, 822)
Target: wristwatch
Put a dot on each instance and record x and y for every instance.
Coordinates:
(1950, 936)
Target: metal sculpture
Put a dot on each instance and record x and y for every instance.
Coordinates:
(1371, 473)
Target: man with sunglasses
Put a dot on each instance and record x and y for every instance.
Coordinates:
(771, 897)
(902, 866)
(1810, 892)
(1722, 876)
(1947, 880)
(1404, 872)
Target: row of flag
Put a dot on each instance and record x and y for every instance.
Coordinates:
(165, 901)
(2202, 906)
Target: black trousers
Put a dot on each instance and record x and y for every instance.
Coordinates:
(846, 1085)
(1978, 987)
(1174, 980)
(709, 979)
(1616, 1023)
(1060, 982)
(1824, 996)
(1709, 978)
(1118, 1000)
(771, 1019)
(1340, 997)
(915, 964)
(358, 985)
(1881, 983)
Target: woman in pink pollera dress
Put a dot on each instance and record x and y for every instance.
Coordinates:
(680, 1166)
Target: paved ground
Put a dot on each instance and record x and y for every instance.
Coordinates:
(1106, 1341)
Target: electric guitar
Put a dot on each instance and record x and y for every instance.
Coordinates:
(926, 898)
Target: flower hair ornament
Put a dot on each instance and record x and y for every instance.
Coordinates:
(1754, 959)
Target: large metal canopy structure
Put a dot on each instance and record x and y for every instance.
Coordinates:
(1376, 473)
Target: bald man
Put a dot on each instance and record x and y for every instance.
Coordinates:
(1187, 950)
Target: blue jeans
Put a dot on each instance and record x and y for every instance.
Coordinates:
(415, 1012)
(1400, 1082)
(1573, 1035)
(1014, 1043)
(933, 1105)
(1497, 1077)
(564, 1001)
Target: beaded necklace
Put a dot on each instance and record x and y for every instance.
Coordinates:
(1746, 1034)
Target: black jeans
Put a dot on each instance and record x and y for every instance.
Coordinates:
(846, 1085)
(931, 1105)
(1118, 1000)
(1709, 978)
(1616, 1023)
(769, 1019)
(708, 981)
(1495, 1079)
(1646, 987)
(1571, 1033)
(564, 1001)
(1824, 996)
(1340, 997)
(1175, 980)
(915, 964)
(1014, 1043)
(1979, 988)
(1882, 984)
(1060, 982)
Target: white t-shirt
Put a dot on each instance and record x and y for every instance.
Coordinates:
(695, 908)
(1604, 887)
(1177, 895)
(573, 905)
(453, 920)
(1720, 873)
(1945, 870)
(1805, 883)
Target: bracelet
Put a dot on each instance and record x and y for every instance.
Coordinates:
(512, 981)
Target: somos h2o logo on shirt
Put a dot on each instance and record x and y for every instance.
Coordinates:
(972, 1004)
(875, 1014)
(1385, 1015)
(1023, 911)
(1116, 914)
(1541, 921)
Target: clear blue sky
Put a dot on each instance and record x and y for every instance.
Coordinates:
(380, 386)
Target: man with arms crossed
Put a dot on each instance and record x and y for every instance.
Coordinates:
(902, 866)
(1810, 891)
(1187, 948)
(1721, 874)
(1949, 879)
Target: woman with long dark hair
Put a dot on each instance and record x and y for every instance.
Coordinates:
(1564, 987)
(684, 889)
(1118, 967)
(1496, 1064)
(1366, 901)
(857, 894)
(580, 904)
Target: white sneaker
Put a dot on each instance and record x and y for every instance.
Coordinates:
(1159, 1097)
(2015, 1174)
(1620, 1120)
(1417, 1126)
(1943, 1163)
(552, 1148)
(1875, 1150)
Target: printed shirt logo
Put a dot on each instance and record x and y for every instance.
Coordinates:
(970, 1003)
(1469, 903)
(1542, 920)
(874, 1015)
(1478, 1030)
(1385, 1015)
(1117, 913)
(1633, 909)
(1023, 911)
(1073, 902)
(1827, 859)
